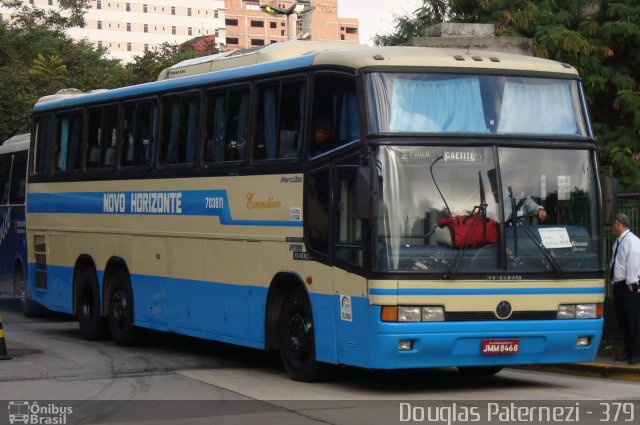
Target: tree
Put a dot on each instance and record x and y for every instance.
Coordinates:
(600, 38)
(33, 60)
(147, 67)
(49, 67)
(70, 13)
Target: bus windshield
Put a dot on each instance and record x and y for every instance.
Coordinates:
(421, 186)
(450, 103)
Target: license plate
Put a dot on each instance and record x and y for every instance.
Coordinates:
(501, 346)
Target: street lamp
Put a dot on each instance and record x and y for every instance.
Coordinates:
(295, 8)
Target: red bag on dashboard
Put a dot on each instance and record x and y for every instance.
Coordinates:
(470, 230)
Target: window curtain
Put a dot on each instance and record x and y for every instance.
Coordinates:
(64, 144)
(349, 120)
(380, 111)
(451, 105)
(174, 134)
(537, 109)
(270, 124)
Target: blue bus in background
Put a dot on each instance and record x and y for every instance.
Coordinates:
(13, 247)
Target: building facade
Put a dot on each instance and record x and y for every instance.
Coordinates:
(248, 26)
(131, 27)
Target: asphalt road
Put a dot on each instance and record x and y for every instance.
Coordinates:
(173, 379)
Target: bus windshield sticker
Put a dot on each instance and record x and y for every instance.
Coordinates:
(555, 237)
(296, 214)
(345, 308)
(564, 188)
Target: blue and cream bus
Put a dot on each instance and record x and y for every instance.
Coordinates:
(349, 206)
(13, 243)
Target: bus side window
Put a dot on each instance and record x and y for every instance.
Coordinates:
(317, 207)
(180, 129)
(216, 123)
(18, 178)
(103, 129)
(279, 121)
(237, 126)
(5, 173)
(335, 114)
(138, 134)
(68, 142)
(44, 129)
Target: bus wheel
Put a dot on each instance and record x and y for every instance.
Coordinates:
(296, 339)
(479, 370)
(92, 325)
(120, 315)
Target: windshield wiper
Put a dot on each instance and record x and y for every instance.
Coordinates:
(518, 221)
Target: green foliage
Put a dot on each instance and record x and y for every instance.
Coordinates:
(147, 67)
(39, 60)
(48, 68)
(70, 13)
(600, 38)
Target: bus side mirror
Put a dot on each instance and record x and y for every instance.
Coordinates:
(366, 193)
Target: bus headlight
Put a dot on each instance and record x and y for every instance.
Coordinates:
(579, 311)
(408, 314)
(432, 314)
(412, 314)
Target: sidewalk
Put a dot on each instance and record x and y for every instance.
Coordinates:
(605, 367)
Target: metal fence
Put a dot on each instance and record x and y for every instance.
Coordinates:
(628, 204)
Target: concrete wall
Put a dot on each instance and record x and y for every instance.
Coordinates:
(472, 36)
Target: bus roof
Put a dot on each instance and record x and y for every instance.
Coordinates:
(19, 142)
(289, 56)
(272, 52)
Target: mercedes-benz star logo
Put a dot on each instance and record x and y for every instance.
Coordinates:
(503, 311)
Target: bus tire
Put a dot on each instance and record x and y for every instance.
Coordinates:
(120, 315)
(296, 339)
(92, 325)
(479, 370)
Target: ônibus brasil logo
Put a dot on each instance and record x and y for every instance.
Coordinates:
(32, 413)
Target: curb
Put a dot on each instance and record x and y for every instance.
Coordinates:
(594, 369)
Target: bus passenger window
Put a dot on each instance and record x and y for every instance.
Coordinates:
(226, 132)
(317, 206)
(5, 173)
(181, 115)
(18, 178)
(237, 126)
(102, 138)
(138, 134)
(335, 115)
(68, 142)
(279, 122)
(216, 123)
(43, 145)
